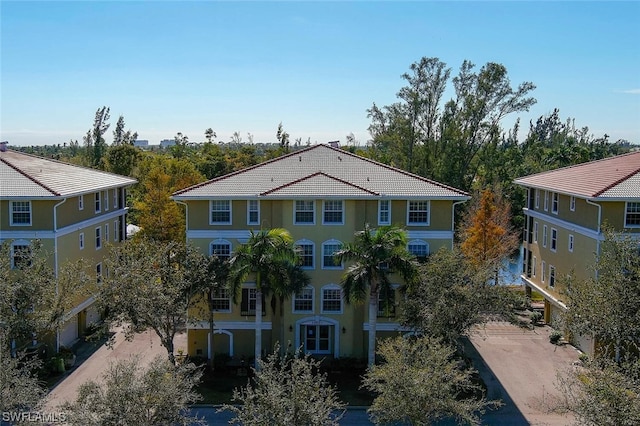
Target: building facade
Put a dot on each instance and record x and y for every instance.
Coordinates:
(565, 212)
(75, 212)
(322, 195)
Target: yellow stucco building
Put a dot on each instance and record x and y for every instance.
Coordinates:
(322, 195)
(74, 211)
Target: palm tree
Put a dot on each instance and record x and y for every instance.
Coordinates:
(271, 258)
(376, 255)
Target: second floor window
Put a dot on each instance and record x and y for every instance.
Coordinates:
(632, 215)
(98, 238)
(332, 212)
(20, 213)
(554, 239)
(253, 212)
(304, 212)
(544, 235)
(328, 259)
(81, 202)
(248, 302)
(303, 300)
(552, 276)
(418, 213)
(97, 202)
(555, 200)
(221, 212)
(332, 300)
(81, 240)
(220, 300)
(221, 249)
(387, 303)
(572, 203)
(305, 251)
(384, 212)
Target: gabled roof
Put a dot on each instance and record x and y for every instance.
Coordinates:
(320, 171)
(28, 176)
(611, 178)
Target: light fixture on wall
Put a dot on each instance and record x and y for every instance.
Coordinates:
(290, 328)
(344, 330)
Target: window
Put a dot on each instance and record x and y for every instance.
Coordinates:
(116, 231)
(570, 243)
(418, 213)
(98, 238)
(317, 338)
(115, 199)
(99, 273)
(80, 202)
(537, 198)
(384, 212)
(221, 249)
(106, 232)
(304, 212)
(544, 235)
(332, 212)
(253, 212)
(248, 302)
(572, 203)
(306, 252)
(106, 200)
(535, 232)
(20, 213)
(220, 212)
(303, 300)
(632, 215)
(546, 201)
(220, 300)
(97, 201)
(552, 276)
(331, 299)
(555, 200)
(328, 250)
(533, 266)
(542, 268)
(387, 303)
(419, 249)
(81, 240)
(20, 254)
(554, 239)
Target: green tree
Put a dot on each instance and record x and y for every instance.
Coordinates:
(210, 135)
(605, 306)
(287, 391)
(20, 388)
(270, 257)
(601, 393)
(152, 284)
(283, 137)
(420, 382)
(487, 235)
(375, 256)
(122, 137)
(131, 394)
(95, 145)
(122, 159)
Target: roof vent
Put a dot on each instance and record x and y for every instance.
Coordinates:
(3, 146)
(339, 158)
(300, 158)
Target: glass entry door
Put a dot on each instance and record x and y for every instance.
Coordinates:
(317, 338)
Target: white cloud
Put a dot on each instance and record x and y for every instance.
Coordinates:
(632, 91)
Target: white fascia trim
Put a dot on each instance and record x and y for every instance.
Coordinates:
(84, 305)
(386, 326)
(433, 235)
(587, 232)
(228, 325)
(225, 235)
(98, 220)
(552, 299)
(27, 235)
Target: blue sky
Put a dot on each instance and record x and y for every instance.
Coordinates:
(316, 67)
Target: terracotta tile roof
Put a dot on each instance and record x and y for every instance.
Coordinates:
(320, 171)
(28, 176)
(614, 177)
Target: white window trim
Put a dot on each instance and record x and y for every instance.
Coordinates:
(572, 203)
(313, 255)
(98, 230)
(419, 243)
(228, 298)
(552, 276)
(249, 222)
(543, 267)
(535, 232)
(220, 242)
(326, 243)
(626, 207)
(211, 222)
(341, 211)
(106, 233)
(313, 301)
(555, 202)
(571, 243)
(533, 267)
(428, 213)
(11, 213)
(388, 221)
(115, 231)
(13, 245)
(313, 210)
(537, 195)
(551, 240)
(106, 200)
(331, 287)
(99, 273)
(81, 240)
(115, 198)
(546, 201)
(545, 235)
(80, 202)
(97, 200)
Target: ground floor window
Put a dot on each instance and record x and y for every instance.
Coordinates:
(317, 338)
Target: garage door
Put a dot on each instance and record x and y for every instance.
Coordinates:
(69, 332)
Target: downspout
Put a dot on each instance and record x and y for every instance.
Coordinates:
(55, 259)
(453, 219)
